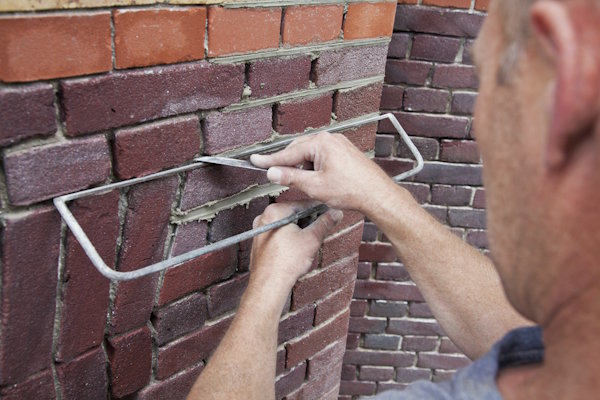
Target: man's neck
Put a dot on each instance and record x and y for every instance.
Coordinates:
(570, 368)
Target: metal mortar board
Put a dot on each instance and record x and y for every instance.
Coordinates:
(87, 246)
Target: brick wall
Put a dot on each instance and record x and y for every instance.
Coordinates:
(110, 92)
(430, 85)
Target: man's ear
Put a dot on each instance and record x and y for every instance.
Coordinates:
(565, 33)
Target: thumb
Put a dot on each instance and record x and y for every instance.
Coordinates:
(324, 224)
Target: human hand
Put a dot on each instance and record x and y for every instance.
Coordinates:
(279, 257)
(343, 176)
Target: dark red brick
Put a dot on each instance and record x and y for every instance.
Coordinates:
(392, 97)
(38, 387)
(349, 64)
(130, 358)
(362, 137)
(384, 145)
(296, 324)
(377, 252)
(367, 325)
(352, 340)
(197, 274)
(370, 234)
(450, 174)
(357, 388)
(478, 239)
(451, 195)
(381, 308)
(226, 296)
(290, 381)
(446, 346)
(407, 72)
(442, 361)
(226, 131)
(190, 349)
(280, 362)
(434, 48)
(425, 100)
(358, 308)
(317, 340)
(429, 148)
(381, 342)
(126, 98)
(376, 373)
(84, 377)
(479, 198)
(467, 218)
(440, 375)
(82, 322)
(464, 151)
(179, 318)
(26, 111)
(334, 304)
(354, 102)
(418, 190)
(144, 235)
(30, 248)
(44, 172)
(237, 220)
(341, 245)
(468, 52)
(419, 343)
(463, 103)
(272, 77)
(408, 375)
(391, 272)
(394, 359)
(437, 20)
(386, 291)
(150, 148)
(420, 310)
(383, 386)
(324, 371)
(189, 237)
(296, 116)
(417, 328)
(399, 45)
(324, 282)
(455, 77)
(429, 125)
(349, 372)
(438, 212)
(176, 387)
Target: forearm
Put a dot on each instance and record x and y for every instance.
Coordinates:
(243, 366)
(459, 283)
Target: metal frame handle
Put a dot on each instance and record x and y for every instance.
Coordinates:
(92, 253)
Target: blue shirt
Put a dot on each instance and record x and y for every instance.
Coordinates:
(478, 381)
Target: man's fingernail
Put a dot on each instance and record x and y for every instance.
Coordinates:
(337, 215)
(274, 175)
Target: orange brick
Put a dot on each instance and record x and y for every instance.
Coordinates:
(482, 5)
(366, 20)
(241, 30)
(159, 36)
(312, 24)
(46, 47)
(448, 3)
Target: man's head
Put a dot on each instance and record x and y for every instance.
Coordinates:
(537, 121)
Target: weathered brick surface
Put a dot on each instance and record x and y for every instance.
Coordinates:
(437, 21)
(237, 220)
(152, 147)
(457, 174)
(425, 100)
(190, 349)
(158, 36)
(43, 172)
(130, 358)
(82, 322)
(463, 103)
(399, 45)
(386, 291)
(340, 245)
(380, 308)
(376, 373)
(226, 296)
(296, 323)
(435, 48)
(455, 77)
(272, 77)
(381, 342)
(392, 97)
(26, 111)
(176, 387)
(290, 381)
(84, 377)
(451, 195)
(296, 116)
(348, 64)
(226, 131)
(30, 249)
(242, 30)
(39, 387)
(362, 137)
(324, 370)
(53, 46)
(442, 361)
(144, 235)
(311, 24)
(126, 98)
(362, 357)
(426, 125)
(351, 103)
(391, 272)
(334, 304)
(366, 20)
(459, 151)
(367, 325)
(181, 317)
(407, 72)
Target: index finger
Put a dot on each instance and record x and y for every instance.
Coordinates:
(300, 150)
